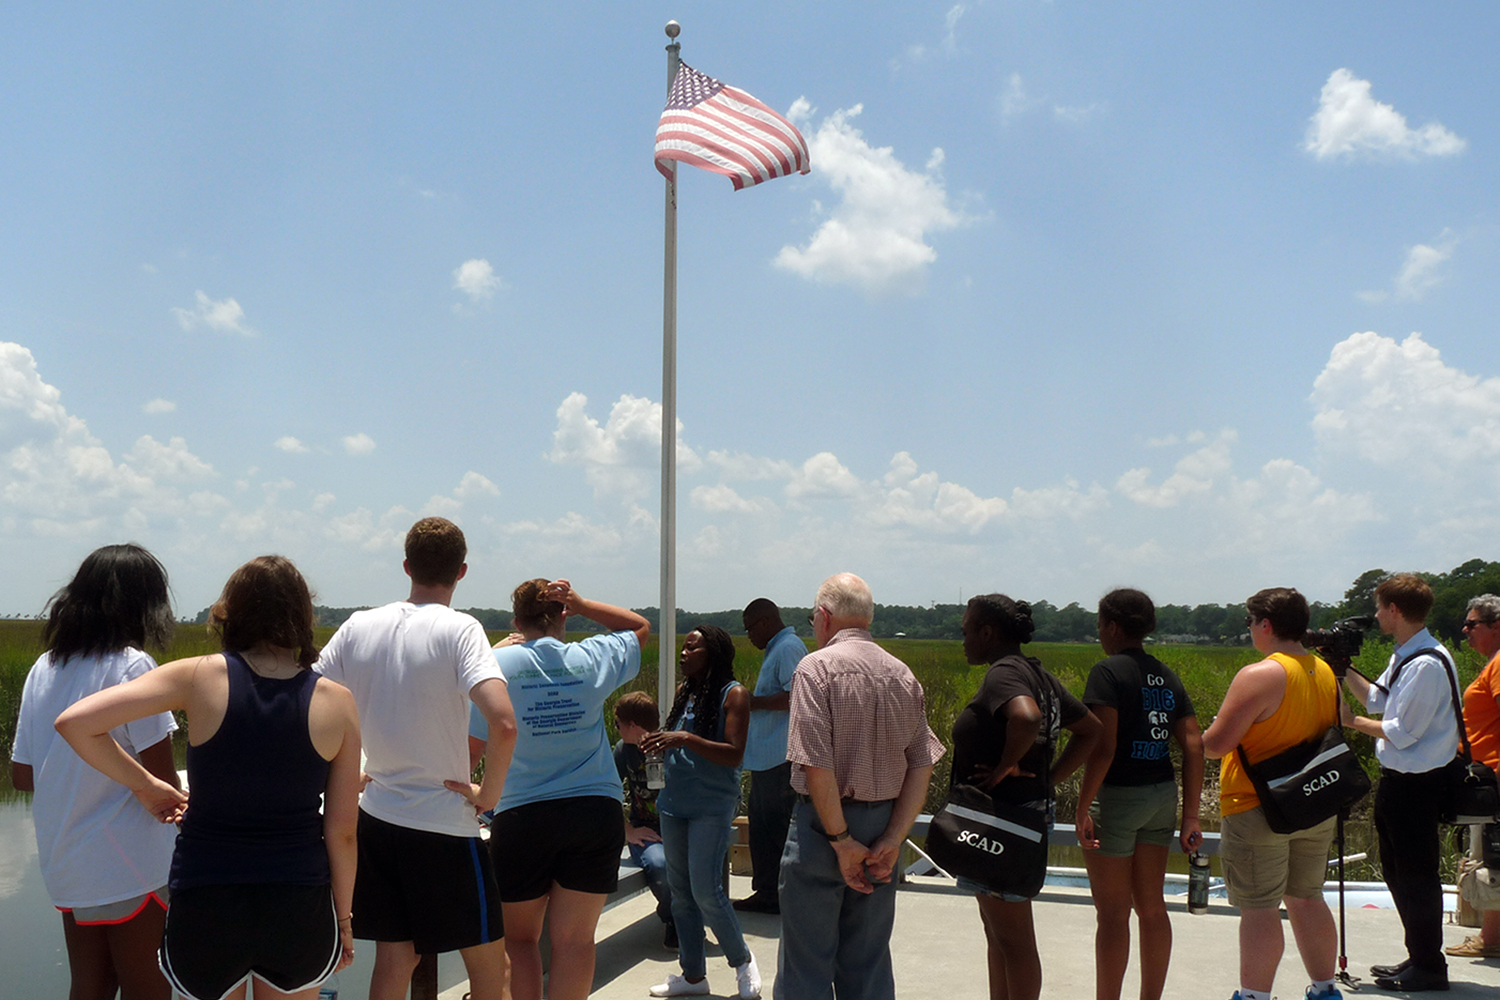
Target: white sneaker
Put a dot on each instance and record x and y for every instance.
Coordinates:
(748, 978)
(677, 986)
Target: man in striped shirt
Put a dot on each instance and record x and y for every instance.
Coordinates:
(862, 755)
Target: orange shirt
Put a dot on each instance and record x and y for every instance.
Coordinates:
(1307, 710)
(1482, 714)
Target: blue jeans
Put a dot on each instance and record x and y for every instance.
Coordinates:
(695, 850)
(653, 859)
(834, 941)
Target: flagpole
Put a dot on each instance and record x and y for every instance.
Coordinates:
(666, 640)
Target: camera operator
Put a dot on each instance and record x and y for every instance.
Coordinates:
(1414, 740)
(1482, 720)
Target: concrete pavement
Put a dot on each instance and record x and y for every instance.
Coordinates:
(939, 951)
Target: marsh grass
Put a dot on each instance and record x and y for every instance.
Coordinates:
(938, 664)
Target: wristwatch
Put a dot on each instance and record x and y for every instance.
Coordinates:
(834, 838)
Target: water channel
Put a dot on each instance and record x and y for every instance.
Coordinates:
(33, 960)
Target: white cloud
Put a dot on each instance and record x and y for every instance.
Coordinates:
(569, 539)
(1014, 100)
(876, 237)
(918, 51)
(738, 465)
(824, 477)
(475, 485)
(358, 444)
(57, 478)
(950, 25)
(167, 461)
(1194, 474)
(221, 317)
(1399, 407)
(622, 457)
(476, 279)
(722, 499)
(1420, 273)
(291, 446)
(159, 406)
(1350, 123)
(1076, 115)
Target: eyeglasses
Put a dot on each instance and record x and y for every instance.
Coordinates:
(1249, 621)
(1473, 623)
(814, 615)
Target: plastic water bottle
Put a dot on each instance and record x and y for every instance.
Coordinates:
(656, 770)
(1197, 883)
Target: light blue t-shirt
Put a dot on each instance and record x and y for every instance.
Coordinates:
(558, 691)
(765, 745)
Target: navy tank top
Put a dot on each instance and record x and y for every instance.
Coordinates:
(255, 790)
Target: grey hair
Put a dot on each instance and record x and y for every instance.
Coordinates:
(1487, 605)
(847, 596)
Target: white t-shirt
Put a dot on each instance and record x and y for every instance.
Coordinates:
(96, 842)
(410, 668)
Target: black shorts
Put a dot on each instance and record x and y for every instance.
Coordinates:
(573, 842)
(435, 890)
(217, 936)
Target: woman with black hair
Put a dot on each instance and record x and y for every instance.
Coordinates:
(704, 741)
(1003, 742)
(262, 877)
(104, 858)
(1130, 792)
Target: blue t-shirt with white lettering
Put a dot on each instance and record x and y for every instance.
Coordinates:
(558, 690)
(1149, 699)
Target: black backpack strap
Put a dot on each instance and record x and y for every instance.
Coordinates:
(1449, 668)
(1458, 710)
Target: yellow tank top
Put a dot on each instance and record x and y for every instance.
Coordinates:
(1307, 710)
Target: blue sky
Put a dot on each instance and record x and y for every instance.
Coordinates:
(1197, 298)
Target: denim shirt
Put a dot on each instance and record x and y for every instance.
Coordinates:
(765, 745)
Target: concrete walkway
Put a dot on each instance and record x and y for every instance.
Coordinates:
(939, 951)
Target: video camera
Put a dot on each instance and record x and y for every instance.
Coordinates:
(1340, 643)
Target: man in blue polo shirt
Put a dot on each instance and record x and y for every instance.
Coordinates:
(771, 797)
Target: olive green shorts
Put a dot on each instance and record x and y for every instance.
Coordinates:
(1127, 815)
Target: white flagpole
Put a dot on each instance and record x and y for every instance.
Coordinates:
(666, 640)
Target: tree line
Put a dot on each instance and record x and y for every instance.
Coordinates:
(1211, 624)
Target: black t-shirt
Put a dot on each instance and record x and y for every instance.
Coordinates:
(1149, 699)
(979, 730)
(640, 801)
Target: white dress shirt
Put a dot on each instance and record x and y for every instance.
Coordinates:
(1417, 717)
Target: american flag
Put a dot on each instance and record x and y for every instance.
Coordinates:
(719, 128)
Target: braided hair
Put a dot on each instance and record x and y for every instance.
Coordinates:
(708, 687)
(1011, 619)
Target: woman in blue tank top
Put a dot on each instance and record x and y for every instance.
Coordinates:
(704, 741)
(262, 878)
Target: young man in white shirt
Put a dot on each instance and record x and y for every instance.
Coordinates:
(1415, 738)
(425, 882)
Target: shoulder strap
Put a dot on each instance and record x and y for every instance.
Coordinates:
(1044, 689)
(1449, 668)
(1337, 686)
(1424, 651)
(1458, 710)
